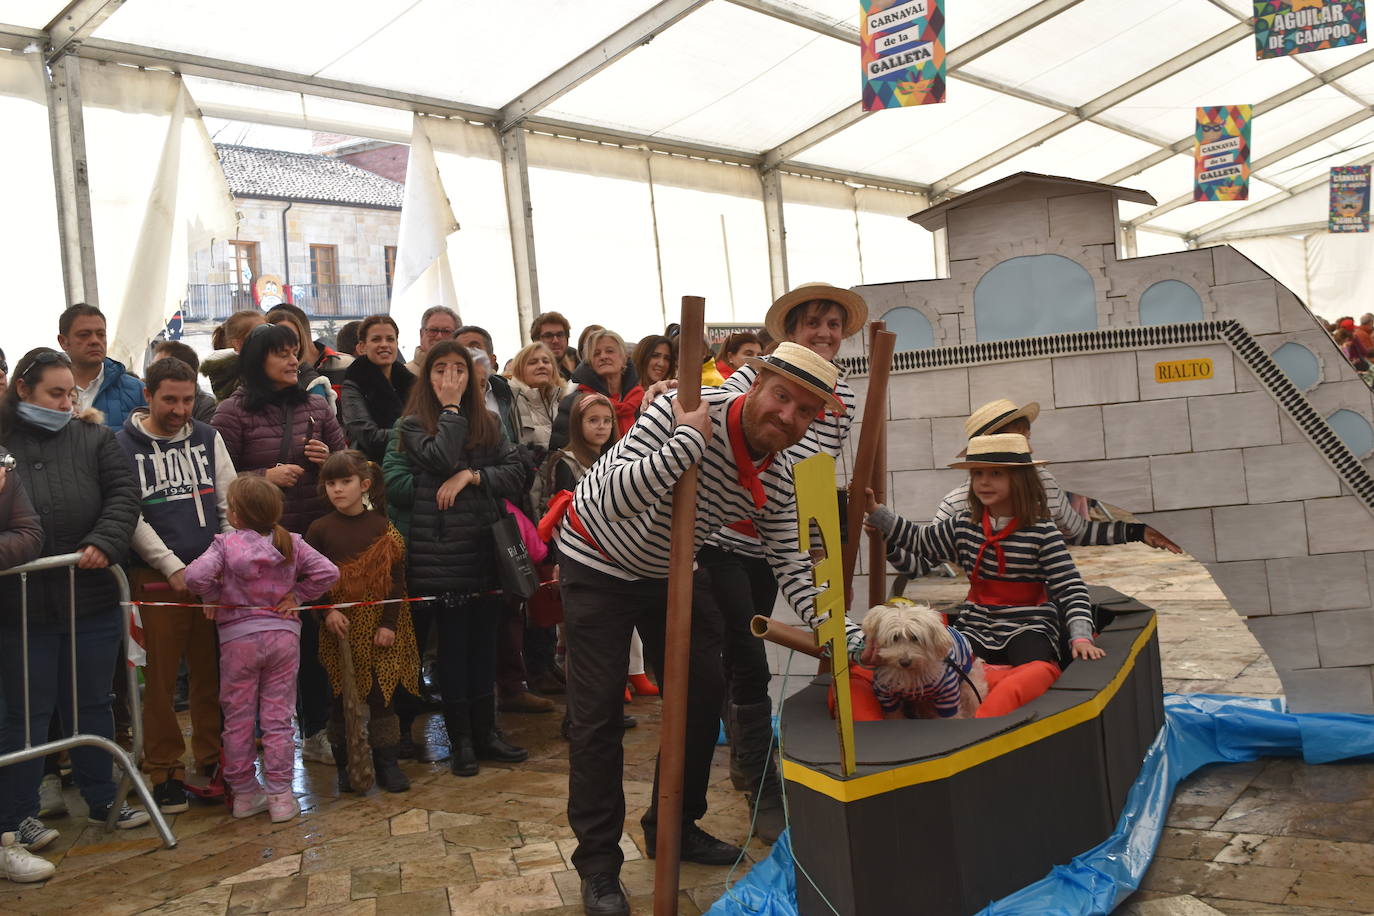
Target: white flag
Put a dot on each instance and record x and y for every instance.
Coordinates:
(423, 276)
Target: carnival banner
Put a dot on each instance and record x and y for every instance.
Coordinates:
(1221, 153)
(1349, 199)
(1284, 27)
(902, 44)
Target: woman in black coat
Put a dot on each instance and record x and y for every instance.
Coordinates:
(462, 466)
(83, 487)
(375, 388)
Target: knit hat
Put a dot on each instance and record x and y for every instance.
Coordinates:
(851, 303)
(1001, 450)
(805, 367)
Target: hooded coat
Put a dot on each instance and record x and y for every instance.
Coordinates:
(587, 381)
(21, 535)
(119, 393)
(533, 415)
(83, 487)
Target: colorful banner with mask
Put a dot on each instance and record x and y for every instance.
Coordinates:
(1221, 153)
(1284, 27)
(1349, 199)
(902, 43)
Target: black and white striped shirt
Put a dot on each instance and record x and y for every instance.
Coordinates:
(1076, 529)
(1033, 553)
(625, 503)
(826, 435)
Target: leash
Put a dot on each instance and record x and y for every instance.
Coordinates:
(963, 676)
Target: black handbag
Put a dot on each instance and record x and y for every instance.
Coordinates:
(514, 567)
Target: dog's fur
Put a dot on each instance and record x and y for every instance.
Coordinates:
(912, 644)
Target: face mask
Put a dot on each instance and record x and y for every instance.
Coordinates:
(44, 417)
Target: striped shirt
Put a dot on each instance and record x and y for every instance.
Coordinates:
(625, 503)
(1034, 553)
(1076, 529)
(826, 435)
(942, 691)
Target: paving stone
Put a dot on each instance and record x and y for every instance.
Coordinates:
(1179, 843)
(432, 902)
(329, 888)
(498, 898)
(1333, 889)
(278, 868)
(1248, 882)
(1183, 905)
(375, 881)
(416, 820)
(266, 895)
(424, 874)
(1297, 852)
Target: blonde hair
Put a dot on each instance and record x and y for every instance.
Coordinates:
(257, 503)
(551, 389)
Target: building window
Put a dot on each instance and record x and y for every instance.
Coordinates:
(324, 279)
(1354, 431)
(1034, 295)
(1170, 302)
(390, 255)
(1299, 364)
(913, 329)
(247, 268)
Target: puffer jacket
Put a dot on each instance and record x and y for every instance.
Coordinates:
(584, 382)
(82, 484)
(119, 393)
(452, 550)
(534, 414)
(372, 403)
(253, 438)
(222, 369)
(21, 535)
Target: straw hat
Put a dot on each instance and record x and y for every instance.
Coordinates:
(805, 367)
(1002, 450)
(995, 415)
(855, 309)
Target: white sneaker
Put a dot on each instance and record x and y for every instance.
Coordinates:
(19, 864)
(249, 805)
(316, 748)
(50, 800)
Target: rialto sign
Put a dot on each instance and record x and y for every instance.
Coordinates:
(1184, 370)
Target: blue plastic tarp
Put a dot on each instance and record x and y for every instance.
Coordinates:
(1199, 729)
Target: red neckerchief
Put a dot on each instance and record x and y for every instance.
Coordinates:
(995, 542)
(746, 469)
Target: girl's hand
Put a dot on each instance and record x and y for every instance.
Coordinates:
(1086, 648)
(450, 385)
(284, 475)
(316, 451)
(870, 501)
(92, 558)
(384, 638)
(448, 492)
(657, 388)
(287, 605)
(336, 622)
(208, 611)
(1160, 542)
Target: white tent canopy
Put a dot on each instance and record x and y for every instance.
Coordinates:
(1092, 89)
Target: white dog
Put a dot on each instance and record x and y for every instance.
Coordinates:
(926, 670)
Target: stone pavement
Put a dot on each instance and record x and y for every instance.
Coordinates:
(1263, 838)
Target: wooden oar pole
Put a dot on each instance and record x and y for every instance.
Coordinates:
(877, 548)
(870, 437)
(677, 640)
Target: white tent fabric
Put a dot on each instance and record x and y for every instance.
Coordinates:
(424, 276)
(33, 262)
(720, 84)
(157, 193)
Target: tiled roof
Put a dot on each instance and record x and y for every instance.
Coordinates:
(274, 173)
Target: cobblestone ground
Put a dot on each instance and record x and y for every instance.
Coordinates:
(1273, 836)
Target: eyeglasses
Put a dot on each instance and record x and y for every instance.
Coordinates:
(46, 358)
(554, 335)
(438, 332)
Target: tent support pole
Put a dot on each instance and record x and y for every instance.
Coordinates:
(777, 230)
(515, 168)
(74, 226)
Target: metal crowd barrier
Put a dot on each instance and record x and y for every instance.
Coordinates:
(128, 763)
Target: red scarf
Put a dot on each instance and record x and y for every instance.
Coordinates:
(998, 592)
(995, 542)
(626, 406)
(747, 471)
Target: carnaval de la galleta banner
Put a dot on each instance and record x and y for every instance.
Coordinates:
(1285, 27)
(902, 45)
(1221, 153)
(1349, 199)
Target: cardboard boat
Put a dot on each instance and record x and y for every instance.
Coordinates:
(942, 817)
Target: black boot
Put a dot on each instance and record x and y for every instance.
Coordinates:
(389, 775)
(462, 759)
(486, 737)
(341, 764)
(753, 768)
(406, 749)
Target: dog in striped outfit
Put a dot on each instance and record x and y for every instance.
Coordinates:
(926, 670)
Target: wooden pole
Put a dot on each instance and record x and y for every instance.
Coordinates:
(677, 640)
(785, 635)
(870, 437)
(877, 548)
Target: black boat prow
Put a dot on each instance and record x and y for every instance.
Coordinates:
(944, 816)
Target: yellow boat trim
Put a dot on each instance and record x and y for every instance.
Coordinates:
(848, 790)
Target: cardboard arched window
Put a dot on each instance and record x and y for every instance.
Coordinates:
(1299, 364)
(913, 329)
(1170, 302)
(1034, 295)
(1354, 431)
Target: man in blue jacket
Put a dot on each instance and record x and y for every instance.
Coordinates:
(101, 382)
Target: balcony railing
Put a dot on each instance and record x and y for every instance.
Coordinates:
(217, 301)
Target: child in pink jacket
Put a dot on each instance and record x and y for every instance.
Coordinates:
(259, 574)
